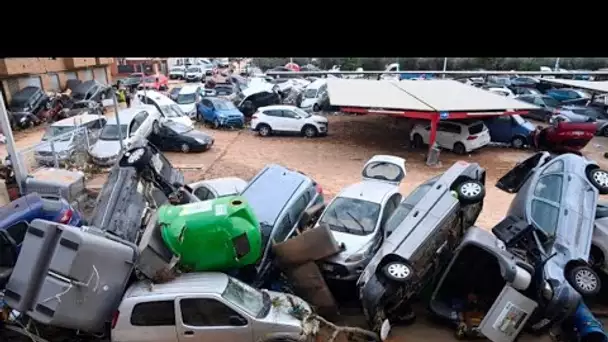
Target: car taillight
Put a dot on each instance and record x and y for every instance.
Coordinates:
(319, 189)
(115, 318)
(67, 216)
(471, 137)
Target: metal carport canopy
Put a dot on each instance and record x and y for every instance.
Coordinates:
(432, 96)
(597, 86)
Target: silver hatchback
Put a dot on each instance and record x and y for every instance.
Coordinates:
(206, 307)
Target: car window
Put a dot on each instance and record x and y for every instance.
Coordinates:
(283, 229)
(17, 231)
(275, 113)
(299, 206)
(591, 113)
(549, 188)
(207, 103)
(289, 114)
(545, 216)
(555, 167)
(205, 312)
(91, 92)
(476, 128)
(161, 313)
(506, 119)
(203, 193)
(448, 127)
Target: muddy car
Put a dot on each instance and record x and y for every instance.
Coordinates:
(418, 241)
(555, 205)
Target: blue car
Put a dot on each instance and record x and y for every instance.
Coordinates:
(219, 112)
(566, 94)
(510, 129)
(14, 222)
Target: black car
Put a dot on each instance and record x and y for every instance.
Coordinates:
(91, 91)
(28, 100)
(547, 105)
(174, 136)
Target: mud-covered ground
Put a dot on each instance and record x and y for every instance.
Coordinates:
(336, 160)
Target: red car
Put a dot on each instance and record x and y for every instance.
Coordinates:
(158, 82)
(563, 137)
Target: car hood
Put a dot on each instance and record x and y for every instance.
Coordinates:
(318, 118)
(187, 108)
(184, 120)
(58, 146)
(280, 318)
(197, 135)
(229, 112)
(105, 148)
(351, 244)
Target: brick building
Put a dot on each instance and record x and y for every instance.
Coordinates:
(51, 74)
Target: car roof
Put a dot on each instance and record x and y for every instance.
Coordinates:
(317, 83)
(78, 120)
(371, 191)
(126, 115)
(186, 283)
(160, 98)
(225, 185)
(189, 88)
(277, 107)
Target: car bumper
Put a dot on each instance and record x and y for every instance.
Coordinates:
(232, 122)
(104, 161)
(50, 160)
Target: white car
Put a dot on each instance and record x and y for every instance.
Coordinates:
(460, 136)
(195, 73)
(169, 110)
(187, 98)
(287, 119)
(177, 73)
(356, 216)
(136, 123)
(218, 187)
(313, 94)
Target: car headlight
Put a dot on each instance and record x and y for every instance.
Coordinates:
(321, 122)
(201, 141)
(547, 290)
(361, 254)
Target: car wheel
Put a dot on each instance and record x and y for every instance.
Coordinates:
(310, 131)
(316, 108)
(518, 142)
(584, 280)
(418, 142)
(264, 130)
(459, 148)
(605, 131)
(397, 271)
(470, 191)
(185, 148)
(155, 127)
(599, 179)
(216, 123)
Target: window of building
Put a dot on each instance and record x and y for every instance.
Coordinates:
(33, 81)
(100, 75)
(87, 75)
(70, 75)
(12, 85)
(54, 84)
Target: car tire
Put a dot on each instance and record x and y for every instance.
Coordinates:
(417, 141)
(599, 179)
(397, 271)
(137, 158)
(470, 191)
(584, 280)
(264, 130)
(518, 142)
(184, 148)
(216, 123)
(310, 131)
(155, 127)
(605, 131)
(316, 108)
(459, 148)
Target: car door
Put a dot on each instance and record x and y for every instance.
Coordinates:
(501, 128)
(290, 121)
(384, 168)
(206, 318)
(208, 109)
(145, 128)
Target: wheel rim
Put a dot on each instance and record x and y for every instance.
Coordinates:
(135, 155)
(309, 132)
(517, 143)
(399, 271)
(470, 189)
(264, 130)
(185, 148)
(586, 280)
(601, 178)
(459, 149)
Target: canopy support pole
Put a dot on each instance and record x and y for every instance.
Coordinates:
(432, 138)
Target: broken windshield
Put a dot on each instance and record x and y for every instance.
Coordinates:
(350, 215)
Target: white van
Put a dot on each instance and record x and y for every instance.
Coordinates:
(177, 73)
(312, 95)
(169, 110)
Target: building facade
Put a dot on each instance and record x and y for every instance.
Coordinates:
(51, 74)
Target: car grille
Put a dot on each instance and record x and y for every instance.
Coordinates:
(44, 153)
(336, 269)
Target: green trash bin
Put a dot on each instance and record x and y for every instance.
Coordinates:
(213, 235)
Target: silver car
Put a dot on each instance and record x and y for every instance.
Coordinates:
(206, 307)
(65, 137)
(357, 214)
(218, 187)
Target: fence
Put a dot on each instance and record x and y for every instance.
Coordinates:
(67, 151)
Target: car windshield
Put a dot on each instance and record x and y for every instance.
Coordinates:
(518, 119)
(246, 297)
(353, 216)
(223, 105)
(186, 98)
(310, 93)
(149, 80)
(110, 132)
(177, 70)
(54, 131)
(172, 111)
(550, 102)
(194, 69)
(301, 113)
(77, 95)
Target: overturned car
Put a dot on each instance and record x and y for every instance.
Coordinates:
(420, 237)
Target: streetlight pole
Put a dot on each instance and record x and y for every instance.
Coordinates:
(18, 167)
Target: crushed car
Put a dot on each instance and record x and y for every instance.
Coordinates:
(563, 137)
(419, 238)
